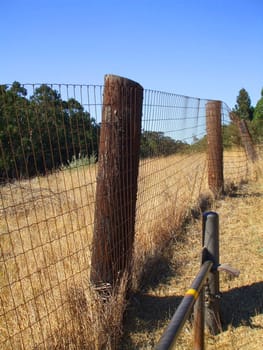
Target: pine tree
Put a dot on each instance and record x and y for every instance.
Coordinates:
(243, 107)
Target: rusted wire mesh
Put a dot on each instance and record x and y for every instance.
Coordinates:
(48, 165)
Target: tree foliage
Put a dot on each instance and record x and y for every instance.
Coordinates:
(42, 132)
(231, 136)
(243, 106)
(156, 144)
(256, 130)
(253, 116)
(258, 112)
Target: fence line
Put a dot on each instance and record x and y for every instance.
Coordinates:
(49, 138)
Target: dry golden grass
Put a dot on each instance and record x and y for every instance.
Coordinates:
(46, 227)
(241, 243)
(46, 231)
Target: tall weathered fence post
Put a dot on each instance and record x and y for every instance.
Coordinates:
(116, 180)
(215, 147)
(211, 242)
(245, 137)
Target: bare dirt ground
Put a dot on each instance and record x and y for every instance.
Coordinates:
(241, 245)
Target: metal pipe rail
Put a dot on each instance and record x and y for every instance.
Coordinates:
(172, 332)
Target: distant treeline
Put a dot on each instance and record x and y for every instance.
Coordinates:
(41, 132)
(156, 144)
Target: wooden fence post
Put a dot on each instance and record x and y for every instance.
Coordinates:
(245, 136)
(211, 242)
(215, 147)
(199, 341)
(116, 180)
(247, 140)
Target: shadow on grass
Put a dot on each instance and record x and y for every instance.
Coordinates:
(145, 314)
(156, 270)
(245, 195)
(239, 305)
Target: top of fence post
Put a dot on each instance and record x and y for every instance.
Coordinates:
(121, 81)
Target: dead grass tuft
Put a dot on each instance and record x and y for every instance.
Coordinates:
(93, 322)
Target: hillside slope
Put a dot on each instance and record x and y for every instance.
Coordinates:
(241, 245)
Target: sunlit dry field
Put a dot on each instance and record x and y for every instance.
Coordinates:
(46, 228)
(241, 241)
(241, 302)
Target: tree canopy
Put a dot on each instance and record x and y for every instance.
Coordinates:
(156, 144)
(42, 132)
(258, 112)
(254, 116)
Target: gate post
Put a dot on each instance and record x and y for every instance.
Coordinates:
(116, 191)
(212, 295)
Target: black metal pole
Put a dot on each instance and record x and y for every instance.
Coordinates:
(211, 242)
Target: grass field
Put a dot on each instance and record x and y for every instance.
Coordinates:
(46, 234)
(241, 242)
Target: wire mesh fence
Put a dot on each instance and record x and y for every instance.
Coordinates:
(48, 154)
(49, 142)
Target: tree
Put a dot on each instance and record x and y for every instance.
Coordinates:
(18, 89)
(64, 129)
(82, 131)
(256, 127)
(47, 125)
(258, 112)
(243, 107)
(13, 136)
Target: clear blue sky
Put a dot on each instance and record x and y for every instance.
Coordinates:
(201, 48)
